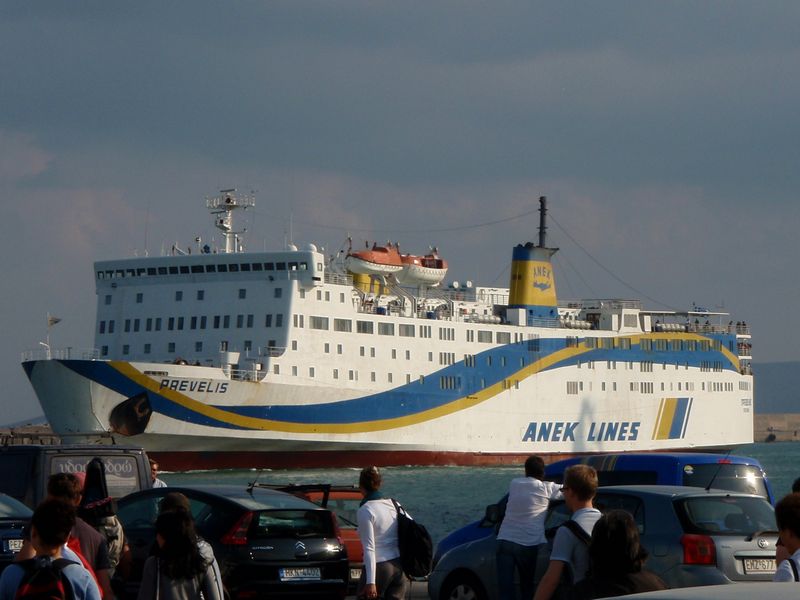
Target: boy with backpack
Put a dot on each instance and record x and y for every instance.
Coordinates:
(48, 574)
(569, 558)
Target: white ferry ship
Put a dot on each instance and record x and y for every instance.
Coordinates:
(226, 358)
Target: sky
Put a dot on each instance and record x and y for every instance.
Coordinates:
(666, 136)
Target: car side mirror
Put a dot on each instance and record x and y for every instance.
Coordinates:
(494, 514)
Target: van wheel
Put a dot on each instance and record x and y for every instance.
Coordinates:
(463, 586)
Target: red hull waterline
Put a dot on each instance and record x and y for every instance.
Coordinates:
(188, 461)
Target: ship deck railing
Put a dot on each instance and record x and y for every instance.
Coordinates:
(68, 353)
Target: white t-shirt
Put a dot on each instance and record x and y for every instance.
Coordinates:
(528, 499)
(569, 549)
(784, 571)
(377, 529)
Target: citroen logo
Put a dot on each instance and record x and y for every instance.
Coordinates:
(300, 549)
(763, 543)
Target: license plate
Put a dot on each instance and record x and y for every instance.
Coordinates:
(300, 574)
(759, 565)
(14, 545)
(355, 574)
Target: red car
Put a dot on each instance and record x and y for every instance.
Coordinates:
(343, 500)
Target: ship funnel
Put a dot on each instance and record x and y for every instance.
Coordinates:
(533, 285)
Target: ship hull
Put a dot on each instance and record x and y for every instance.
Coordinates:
(196, 417)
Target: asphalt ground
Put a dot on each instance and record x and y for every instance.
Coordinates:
(419, 591)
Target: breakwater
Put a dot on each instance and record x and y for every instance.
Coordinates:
(777, 427)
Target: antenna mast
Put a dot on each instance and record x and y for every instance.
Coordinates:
(222, 207)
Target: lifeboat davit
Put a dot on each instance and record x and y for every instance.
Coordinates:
(422, 270)
(380, 260)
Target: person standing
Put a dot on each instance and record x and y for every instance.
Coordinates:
(50, 528)
(570, 554)
(382, 576)
(157, 483)
(522, 529)
(179, 571)
(787, 516)
(617, 561)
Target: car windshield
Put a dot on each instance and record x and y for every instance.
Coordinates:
(291, 523)
(725, 515)
(747, 479)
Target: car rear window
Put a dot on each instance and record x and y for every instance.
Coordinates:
(747, 479)
(291, 523)
(725, 515)
(122, 472)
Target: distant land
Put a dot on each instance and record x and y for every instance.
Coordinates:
(777, 391)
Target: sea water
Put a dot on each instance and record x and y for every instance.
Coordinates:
(446, 498)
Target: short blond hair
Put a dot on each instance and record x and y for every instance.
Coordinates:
(581, 479)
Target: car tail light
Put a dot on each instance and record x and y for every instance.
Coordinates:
(698, 549)
(237, 536)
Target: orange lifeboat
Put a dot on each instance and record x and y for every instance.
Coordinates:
(380, 260)
(422, 270)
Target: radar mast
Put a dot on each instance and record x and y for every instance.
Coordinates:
(222, 207)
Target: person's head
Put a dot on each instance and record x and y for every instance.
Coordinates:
(534, 467)
(177, 541)
(796, 485)
(51, 524)
(370, 479)
(153, 469)
(66, 487)
(787, 516)
(174, 501)
(615, 547)
(580, 485)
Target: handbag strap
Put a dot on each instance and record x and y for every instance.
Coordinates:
(794, 569)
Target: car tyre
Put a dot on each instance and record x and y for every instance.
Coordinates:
(463, 586)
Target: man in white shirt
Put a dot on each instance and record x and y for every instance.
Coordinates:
(522, 530)
(383, 575)
(569, 552)
(787, 516)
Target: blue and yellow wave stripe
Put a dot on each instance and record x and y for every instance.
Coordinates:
(410, 404)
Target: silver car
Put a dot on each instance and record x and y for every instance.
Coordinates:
(694, 537)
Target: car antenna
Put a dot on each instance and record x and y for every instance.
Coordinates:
(253, 483)
(721, 462)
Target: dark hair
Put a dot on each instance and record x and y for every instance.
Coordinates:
(534, 467)
(787, 513)
(53, 520)
(615, 548)
(179, 556)
(796, 485)
(370, 479)
(174, 501)
(64, 486)
(581, 479)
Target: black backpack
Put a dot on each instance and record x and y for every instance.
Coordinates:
(416, 546)
(44, 580)
(567, 575)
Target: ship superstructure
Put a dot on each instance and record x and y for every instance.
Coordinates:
(286, 359)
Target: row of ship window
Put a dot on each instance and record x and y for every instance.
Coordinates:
(646, 366)
(200, 295)
(648, 387)
(208, 268)
(195, 322)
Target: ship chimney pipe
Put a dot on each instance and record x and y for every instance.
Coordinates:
(542, 220)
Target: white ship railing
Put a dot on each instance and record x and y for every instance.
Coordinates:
(68, 353)
(338, 278)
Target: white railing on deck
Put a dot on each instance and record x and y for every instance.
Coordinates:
(68, 353)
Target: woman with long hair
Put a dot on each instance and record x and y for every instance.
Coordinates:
(179, 571)
(617, 560)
